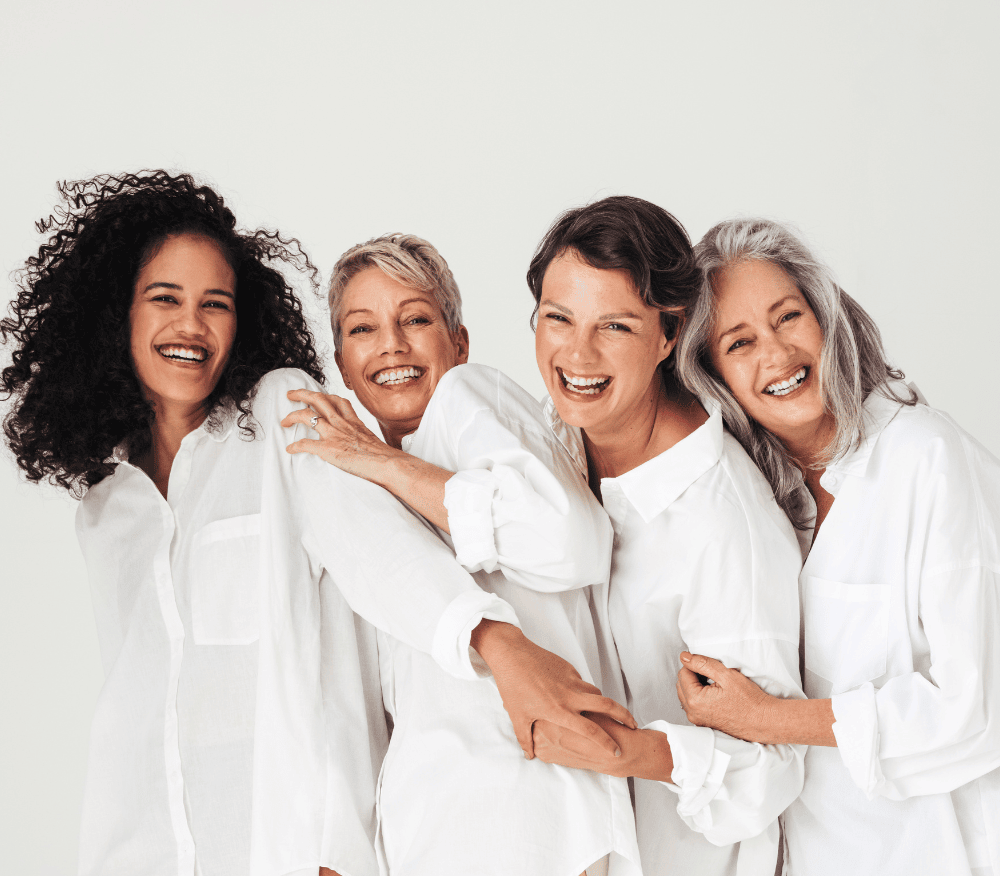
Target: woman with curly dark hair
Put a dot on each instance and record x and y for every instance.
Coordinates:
(240, 728)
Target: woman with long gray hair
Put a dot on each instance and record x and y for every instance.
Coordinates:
(896, 508)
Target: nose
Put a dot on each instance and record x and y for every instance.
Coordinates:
(581, 350)
(393, 339)
(190, 319)
(776, 350)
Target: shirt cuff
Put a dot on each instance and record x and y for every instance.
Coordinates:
(450, 648)
(699, 769)
(468, 497)
(856, 730)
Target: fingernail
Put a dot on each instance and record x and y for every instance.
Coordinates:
(618, 752)
(685, 658)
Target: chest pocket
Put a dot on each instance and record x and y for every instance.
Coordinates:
(846, 631)
(225, 594)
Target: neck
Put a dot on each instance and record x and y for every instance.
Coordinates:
(169, 426)
(656, 424)
(807, 447)
(394, 433)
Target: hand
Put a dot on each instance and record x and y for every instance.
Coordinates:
(537, 685)
(732, 704)
(644, 753)
(344, 441)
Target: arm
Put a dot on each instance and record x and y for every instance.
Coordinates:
(344, 441)
(416, 592)
(735, 705)
(743, 610)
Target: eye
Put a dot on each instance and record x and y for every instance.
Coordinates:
(215, 304)
(738, 345)
(166, 299)
(619, 327)
(360, 329)
(786, 317)
(418, 320)
(555, 317)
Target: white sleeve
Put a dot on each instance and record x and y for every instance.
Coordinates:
(390, 567)
(929, 734)
(742, 610)
(519, 503)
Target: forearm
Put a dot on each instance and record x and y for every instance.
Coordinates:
(419, 484)
(796, 722)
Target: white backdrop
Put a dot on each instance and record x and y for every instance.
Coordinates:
(872, 127)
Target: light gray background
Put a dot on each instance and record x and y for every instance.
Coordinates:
(871, 126)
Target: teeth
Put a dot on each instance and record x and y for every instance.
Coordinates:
(584, 385)
(188, 354)
(397, 376)
(783, 387)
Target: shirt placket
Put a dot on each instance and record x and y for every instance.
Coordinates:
(166, 595)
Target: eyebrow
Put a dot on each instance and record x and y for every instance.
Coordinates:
(401, 304)
(626, 314)
(770, 310)
(178, 288)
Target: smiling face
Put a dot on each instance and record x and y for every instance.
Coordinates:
(766, 346)
(396, 347)
(183, 322)
(598, 346)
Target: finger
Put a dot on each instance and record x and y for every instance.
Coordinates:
(590, 731)
(300, 415)
(304, 445)
(707, 666)
(319, 402)
(523, 732)
(606, 706)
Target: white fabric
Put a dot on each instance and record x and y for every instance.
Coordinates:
(704, 561)
(457, 795)
(901, 598)
(240, 729)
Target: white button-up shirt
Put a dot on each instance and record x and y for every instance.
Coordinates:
(457, 795)
(901, 599)
(240, 728)
(704, 561)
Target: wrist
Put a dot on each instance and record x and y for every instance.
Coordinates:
(653, 759)
(493, 639)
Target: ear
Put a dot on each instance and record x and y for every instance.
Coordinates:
(343, 371)
(461, 337)
(667, 346)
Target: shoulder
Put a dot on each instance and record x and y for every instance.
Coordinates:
(271, 393)
(468, 390)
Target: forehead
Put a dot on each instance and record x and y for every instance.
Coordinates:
(373, 289)
(568, 276)
(189, 255)
(751, 287)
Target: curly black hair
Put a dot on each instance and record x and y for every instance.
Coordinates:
(76, 394)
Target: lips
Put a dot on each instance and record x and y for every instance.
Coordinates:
(183, 352)
(397, 376)
(578, 384)
(789, 384)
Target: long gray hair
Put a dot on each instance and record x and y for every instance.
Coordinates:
(852, 362)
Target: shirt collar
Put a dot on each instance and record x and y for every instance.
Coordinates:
(655, 485)
(218, 426)
(877, 412)
(569, 436)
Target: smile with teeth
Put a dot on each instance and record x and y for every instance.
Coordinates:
(584, 385)
(783, 387)
(183, 354)
(398, 376)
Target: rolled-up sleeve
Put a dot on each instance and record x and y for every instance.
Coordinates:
(728, 789)
(389, 566)
(519, 503)
(930, 733)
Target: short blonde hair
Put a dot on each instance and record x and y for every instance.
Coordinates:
(405, 258)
